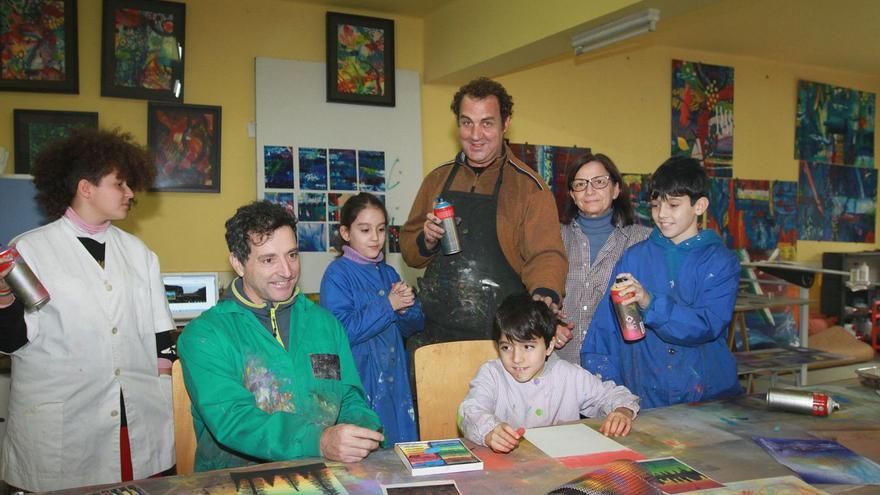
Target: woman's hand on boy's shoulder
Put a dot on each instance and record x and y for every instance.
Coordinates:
(503, 438)
(617, 423)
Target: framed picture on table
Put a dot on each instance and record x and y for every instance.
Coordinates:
(35, 129)
(360, 60)
(185, 143)
(142, 53)
(38, 46)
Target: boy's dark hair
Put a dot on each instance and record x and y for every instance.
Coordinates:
(622, 211)
(480, 88)
(680, 176)
(88, 154)
(521, 318)
(353, 207)
(259, 219)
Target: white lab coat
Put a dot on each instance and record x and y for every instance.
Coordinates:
(95, 336)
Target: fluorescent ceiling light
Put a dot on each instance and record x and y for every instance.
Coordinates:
(614, 31)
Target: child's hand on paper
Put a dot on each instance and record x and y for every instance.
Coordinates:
(618, 423)
(503, 438)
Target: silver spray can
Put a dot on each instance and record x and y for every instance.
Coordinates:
(450, 243)
(24, 284)
(801, 401)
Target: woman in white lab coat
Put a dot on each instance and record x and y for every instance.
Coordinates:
(88, 403)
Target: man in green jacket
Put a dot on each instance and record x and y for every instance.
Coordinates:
(270, 373)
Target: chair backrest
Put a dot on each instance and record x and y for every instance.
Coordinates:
(184, 433)
(443, 372)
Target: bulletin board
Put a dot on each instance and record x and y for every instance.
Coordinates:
(295, 123)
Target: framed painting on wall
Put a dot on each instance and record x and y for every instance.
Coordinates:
(185, 143)
(142, 49)
(34, 129)
(360, 59)
(38, 46)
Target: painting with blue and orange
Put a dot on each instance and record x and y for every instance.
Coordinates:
(371, 169)
(278, 166)
(343, 170)
(702, 115)
(836, 203)
(784, 203)
(312, 207)
(720, 212)
(312, 237)
(834, 125)
(313, 169)
(752, 224)
(551, 163)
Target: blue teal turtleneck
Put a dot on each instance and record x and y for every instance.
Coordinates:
(597, 230)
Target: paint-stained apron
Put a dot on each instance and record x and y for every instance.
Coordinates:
(460, 292)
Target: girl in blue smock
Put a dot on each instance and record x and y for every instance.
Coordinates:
(378, 310)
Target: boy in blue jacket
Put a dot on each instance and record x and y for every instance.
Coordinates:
(684, 281)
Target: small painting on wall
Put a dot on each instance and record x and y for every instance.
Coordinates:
(185, 142)
(34, 129)
(360, 59)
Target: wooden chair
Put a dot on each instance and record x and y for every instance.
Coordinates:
(184, 433)
(443, 372)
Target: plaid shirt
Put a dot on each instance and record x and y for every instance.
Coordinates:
(586, 284)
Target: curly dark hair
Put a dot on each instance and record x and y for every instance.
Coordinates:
(481, 88)
(88, 154)
(259, 219)
(622, 209)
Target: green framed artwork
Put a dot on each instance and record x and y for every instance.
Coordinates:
(35, 129)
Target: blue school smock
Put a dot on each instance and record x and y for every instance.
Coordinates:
(357, 294)
(684, 356)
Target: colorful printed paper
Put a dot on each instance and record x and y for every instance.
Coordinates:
(673, 476)
(615, 477)
(836, 203)
(835, 125)
(782, 485)
(822, 461)
(278, 167)
(702, 115)
(313, 479)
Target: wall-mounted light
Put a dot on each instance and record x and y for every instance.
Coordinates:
(614, 31)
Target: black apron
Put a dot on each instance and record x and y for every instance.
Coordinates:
(460, 292)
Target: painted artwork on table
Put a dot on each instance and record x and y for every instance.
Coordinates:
(822, 461)
(551, 163)
(313, 169)
(312, 207)
(343, 170)
(752, 225)
(185, 142)
(835, 125)
(360, 59)
(35, 129)
(673, 476)
(782, 485)
(278, 166)
(312, 237)
(615, 477)
(785, 218)
(639, 187)
(836, 203)
(371, 170)
(285, 199)
(38, 46)
(702, 115)
(721, 208)
(312, 479)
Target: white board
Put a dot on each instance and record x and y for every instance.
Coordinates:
(292, 111)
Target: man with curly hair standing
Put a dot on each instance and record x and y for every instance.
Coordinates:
(508, 226)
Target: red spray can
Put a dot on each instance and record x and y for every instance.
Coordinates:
(628, 316)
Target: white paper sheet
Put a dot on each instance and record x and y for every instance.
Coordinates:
(571, 440)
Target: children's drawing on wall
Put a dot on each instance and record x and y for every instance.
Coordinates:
(639, 186)
(835, 125)
(312, 237)
(702, 115)
(551, 163)
(278, 166)
(836, 203)
(371, 168)
(312, 207)
(313, 168)
(343, 170)
(285, 199)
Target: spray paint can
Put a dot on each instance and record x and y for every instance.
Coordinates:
(27, 287)
(801, 401)
(450, 243)
(628, 316)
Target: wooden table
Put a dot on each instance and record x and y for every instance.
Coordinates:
(714, 437)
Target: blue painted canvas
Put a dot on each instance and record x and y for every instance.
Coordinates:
(313, 169)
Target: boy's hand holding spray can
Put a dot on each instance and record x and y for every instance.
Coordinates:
(629, 317)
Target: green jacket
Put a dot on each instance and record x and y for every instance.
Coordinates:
(255, 401)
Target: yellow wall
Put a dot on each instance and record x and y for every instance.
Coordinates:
(222, 39)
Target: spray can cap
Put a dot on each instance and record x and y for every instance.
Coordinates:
(619, 279)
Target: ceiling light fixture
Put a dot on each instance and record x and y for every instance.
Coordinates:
(614, 31)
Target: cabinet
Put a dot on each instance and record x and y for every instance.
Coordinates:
(850, 307)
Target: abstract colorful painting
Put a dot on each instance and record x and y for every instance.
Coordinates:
(185, 142)
(614, 477)
(702, 115)
(313, 169)
(142, 49)
(343, 170)
(752, 224)
(312, 479)
(673, 476)
(335, 202)
(836, 203)
(312, 237)
(822, 461)
(285, 199)
(639, 187)
(38, 46)
(312, 207)
(551, 163)
(335, 245)
(721, 212)
(278, 167)
(360, 59)
(35, 129)
(835, 125)
(371, 170)
(785, 217)
(782, 485)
